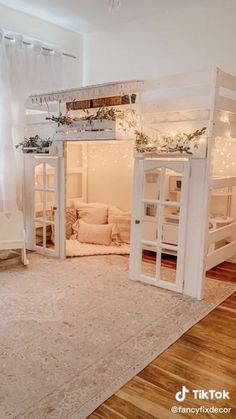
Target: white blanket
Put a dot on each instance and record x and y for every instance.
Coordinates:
(75, 248)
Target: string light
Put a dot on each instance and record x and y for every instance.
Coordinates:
(224, 152)
(224, 117)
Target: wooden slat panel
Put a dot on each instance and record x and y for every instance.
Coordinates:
(227, 80)
(226, 104)
(182, 116)
(181, 80)
(219, 255)
(190, 103)
(221, 129)
(223, 182)
(221, 233)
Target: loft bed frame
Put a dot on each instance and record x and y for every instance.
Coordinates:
(175, 103)
(203, 99)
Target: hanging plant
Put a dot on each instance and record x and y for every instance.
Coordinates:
(35, 144)
(182, 143)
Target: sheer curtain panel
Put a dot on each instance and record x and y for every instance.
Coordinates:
(24, 70)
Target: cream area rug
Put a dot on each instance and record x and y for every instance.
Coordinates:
(73, 332)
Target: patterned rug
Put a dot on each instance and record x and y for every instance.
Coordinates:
(73, 332)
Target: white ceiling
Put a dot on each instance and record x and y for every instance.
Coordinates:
(92, 15)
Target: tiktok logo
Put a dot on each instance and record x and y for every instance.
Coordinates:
(181, 395)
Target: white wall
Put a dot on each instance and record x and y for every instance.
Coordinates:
(109, 168)
(194, 37)
(66, 40)
(110, 174)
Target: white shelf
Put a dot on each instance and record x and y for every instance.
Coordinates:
(224, 194)
(222, 220)
(223, 182)
(75, 170)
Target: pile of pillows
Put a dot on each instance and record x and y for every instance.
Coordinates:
(97, 223)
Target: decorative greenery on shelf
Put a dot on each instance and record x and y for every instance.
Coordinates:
(125, 118)
(61, 119)
(35, 144)
(109, 114)
(182, 143)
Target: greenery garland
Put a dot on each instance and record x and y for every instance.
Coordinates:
(36, 143)
(182, 143)
(61, 119)
(109, 114)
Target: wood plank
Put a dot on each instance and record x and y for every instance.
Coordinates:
(148, 396)
(201, 340)
(178, 105)
(127, 409)
(226, 80)
(105, 412)
(220, 255)
(198, 372)
(190, 352)
(221, 128)
(222, 182)
(221, 233)
(180, 80)
(146, 405)
(226, 104)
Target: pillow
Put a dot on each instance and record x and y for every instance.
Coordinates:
(71, 217)
(112, 210)
(94, 213)
(77, 203)
(95, 233)
(123, 223)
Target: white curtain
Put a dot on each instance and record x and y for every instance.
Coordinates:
(24, 70)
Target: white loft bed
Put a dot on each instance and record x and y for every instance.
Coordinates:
(187, 103)
(175, 103)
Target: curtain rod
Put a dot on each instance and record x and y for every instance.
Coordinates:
(66, 54)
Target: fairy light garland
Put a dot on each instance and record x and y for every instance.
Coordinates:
(224, 155)
(183, 143)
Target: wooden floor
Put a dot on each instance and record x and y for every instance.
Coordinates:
(203, 358)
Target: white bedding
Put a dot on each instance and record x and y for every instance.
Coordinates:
(75, 248)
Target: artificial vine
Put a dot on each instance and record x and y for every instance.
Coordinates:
(103, 113)
(35, 143)
(182, 143)
(61, 119)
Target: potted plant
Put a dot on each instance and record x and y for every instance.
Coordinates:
(35, 144)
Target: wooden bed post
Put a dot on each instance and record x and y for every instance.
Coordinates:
(197, 216)
(198, 210)
(136, 249)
